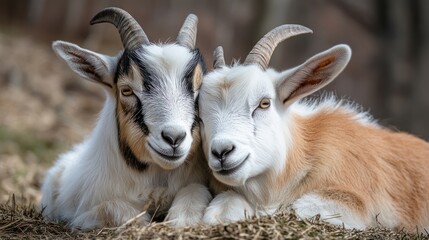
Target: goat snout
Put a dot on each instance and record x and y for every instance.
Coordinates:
(221, 149)
(174, 136)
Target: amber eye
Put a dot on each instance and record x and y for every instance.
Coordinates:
(126, 91)
(265, 103)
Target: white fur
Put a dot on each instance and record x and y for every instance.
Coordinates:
(326, 157)
(94, 173)
(309, 107)
(227, 207)
(230, 96)
(189, 205)
(310, 205)
(92, 185)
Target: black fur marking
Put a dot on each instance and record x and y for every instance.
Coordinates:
(127, 108)
(124, 66)
(197, 118)
(138, 118)
(190, 69)
(149, 78)
(200, 60)
(130, 158)
(123, 70)
(197, 59)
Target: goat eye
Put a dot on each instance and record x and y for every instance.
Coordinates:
(265, 103)
(126, 91)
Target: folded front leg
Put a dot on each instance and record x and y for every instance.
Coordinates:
(188, 206)
(109, 213)
(335, 206)
(227, 207)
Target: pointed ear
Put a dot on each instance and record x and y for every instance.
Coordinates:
(87, 64)
(197, 78)
(313, 75)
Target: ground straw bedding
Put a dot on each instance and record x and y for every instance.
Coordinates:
(26, 222)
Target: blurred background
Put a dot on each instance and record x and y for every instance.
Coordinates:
(45, 108)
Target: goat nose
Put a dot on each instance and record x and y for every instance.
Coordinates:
(222, 150)
(174, 137)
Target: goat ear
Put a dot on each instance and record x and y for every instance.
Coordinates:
(87, 64)
(313, 75)
(197, 78)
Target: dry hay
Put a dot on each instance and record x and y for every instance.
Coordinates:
(26, 222)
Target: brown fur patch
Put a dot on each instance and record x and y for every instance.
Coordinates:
(133, 78)
(345, 197)
(306, 83)
(224, 85)
(105, 216)
(135, 72)
(386, 170)
(216, 186)
(325, 63)
(132, 134)
(197, 78)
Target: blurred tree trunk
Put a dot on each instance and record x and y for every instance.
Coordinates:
(73, 16)
(35, 11)
(420, 103)
(398, 27)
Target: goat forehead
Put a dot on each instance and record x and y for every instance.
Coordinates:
(162, 67)
(236, 86)
(171, 59)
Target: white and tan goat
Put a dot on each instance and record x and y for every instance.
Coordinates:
(145, 148)
(266, 148)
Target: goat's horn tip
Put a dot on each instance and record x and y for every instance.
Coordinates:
(192, 16)
(106, 11)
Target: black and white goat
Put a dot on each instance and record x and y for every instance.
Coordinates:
(144, 153)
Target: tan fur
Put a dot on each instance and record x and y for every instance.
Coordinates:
(56, 184)
(133, 135)
(217, 187)
(325, 63)
(105, 215)
(225, 85)
(130, 132)
(346, 196)
(335, 155)
(197, 78)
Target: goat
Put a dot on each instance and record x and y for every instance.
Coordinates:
(145, 148)
(267, 149)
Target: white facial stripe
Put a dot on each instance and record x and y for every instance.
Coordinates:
(168, 107)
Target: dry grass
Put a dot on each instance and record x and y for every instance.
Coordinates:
(26, 222)
(44, 109)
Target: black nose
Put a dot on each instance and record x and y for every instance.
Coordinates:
(221, 152)
(173, 137)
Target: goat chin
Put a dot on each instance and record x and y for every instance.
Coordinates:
(91, 186)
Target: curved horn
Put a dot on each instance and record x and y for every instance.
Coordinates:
(262, 51)
(188, 33)
(219, 60)
(132, 35)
